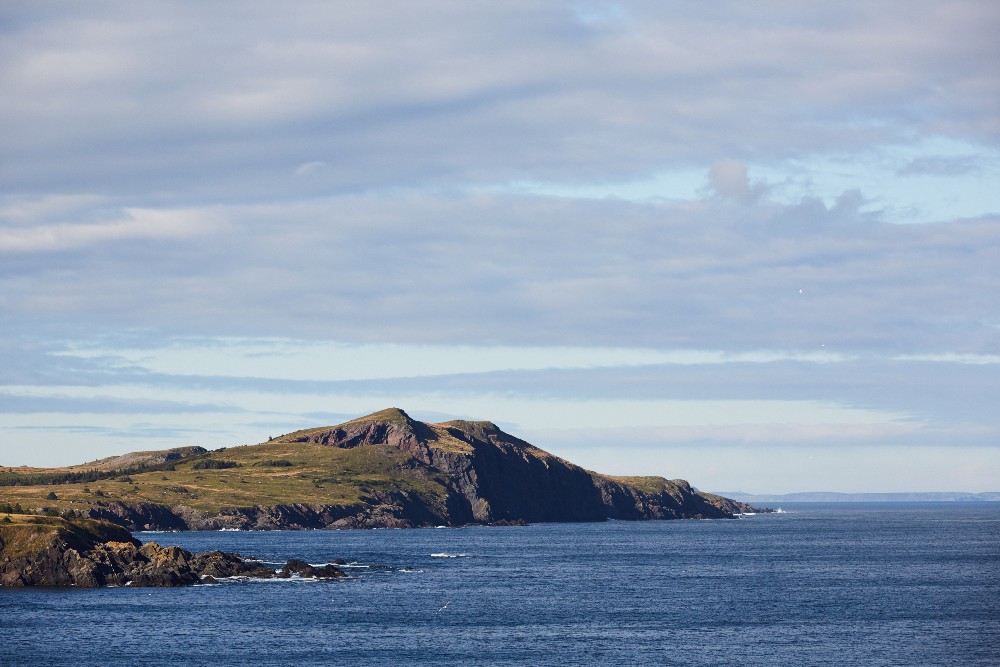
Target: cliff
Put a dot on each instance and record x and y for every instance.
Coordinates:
(496, 477)
(382, 470)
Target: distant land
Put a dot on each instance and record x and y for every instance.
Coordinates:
(834, 497)
(384, 470)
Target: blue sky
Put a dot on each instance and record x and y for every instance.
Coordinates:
(753, 245)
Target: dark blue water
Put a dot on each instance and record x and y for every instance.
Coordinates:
(846, 584)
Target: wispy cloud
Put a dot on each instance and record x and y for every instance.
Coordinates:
(942, 165)
(125, 98)
(535, 271)
(134, 224)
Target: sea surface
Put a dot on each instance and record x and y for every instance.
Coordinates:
(839, 584)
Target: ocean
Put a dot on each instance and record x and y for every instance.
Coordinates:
(839, 584)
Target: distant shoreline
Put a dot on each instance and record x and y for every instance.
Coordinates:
(836, 497)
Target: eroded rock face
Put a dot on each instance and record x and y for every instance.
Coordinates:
(498, 478)
(139, 516)
(44, 551)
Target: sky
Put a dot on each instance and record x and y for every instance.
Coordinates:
(751, 245)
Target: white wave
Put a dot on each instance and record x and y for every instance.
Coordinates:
(447, 555)
(294, 579)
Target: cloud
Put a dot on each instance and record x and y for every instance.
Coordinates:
(510, 270)
(26, 210)
(134, 223)
(126, 99)
(942, 165)
(25, 404)
(771, 436)
(730, 180)
(314, 169)
(183, 376)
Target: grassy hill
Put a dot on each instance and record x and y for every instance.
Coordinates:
(382, 469)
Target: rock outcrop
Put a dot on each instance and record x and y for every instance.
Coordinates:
(52, 551)
(138, 460)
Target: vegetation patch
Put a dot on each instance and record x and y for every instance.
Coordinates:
(29, 534)
(214, 464)
(91, 475)
(274, 463)
(647, 484)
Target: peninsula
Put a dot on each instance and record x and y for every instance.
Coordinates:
(382, 470)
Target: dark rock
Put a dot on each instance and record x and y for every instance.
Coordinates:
(497, 479)
(51, 551)
(305, 570)
(138, 516)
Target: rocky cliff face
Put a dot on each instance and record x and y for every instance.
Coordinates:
(50, 551)
(496, 477)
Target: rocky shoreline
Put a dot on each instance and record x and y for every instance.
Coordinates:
(395, 511)
(54, 551)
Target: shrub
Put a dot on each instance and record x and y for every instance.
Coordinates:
(214, 464)
(274, 463)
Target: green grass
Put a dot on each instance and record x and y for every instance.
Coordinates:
(646, 484)
(28, 534)
(317, 475)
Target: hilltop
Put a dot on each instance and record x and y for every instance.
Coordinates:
(382, 470)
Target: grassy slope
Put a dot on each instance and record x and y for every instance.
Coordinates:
(24, 535)
(318, 475)
(648, 484)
